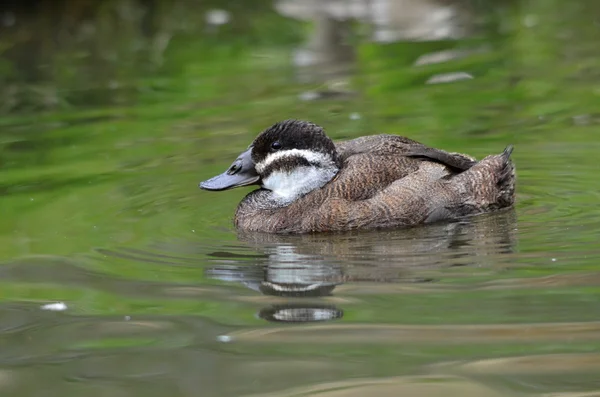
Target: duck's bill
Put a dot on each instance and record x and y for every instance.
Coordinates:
(226, 181)
(240, 173)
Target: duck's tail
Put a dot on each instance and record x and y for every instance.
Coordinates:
(489, 184)
(507, 151)
(506, 179)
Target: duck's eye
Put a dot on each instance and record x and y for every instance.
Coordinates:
(276, 145)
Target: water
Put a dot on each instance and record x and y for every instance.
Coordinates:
(161, 297)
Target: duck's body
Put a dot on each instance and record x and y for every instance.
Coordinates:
(310, 184)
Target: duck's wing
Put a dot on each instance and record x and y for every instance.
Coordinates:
(399, 145)
(363, 175)
(374, 144)
(457, 161)
(422, 197)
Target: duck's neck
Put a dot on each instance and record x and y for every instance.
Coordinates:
(288, 186)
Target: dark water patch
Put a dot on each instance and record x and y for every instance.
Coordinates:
(144, 257)
(233, 256)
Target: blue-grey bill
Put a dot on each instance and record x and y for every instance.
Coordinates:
(240, 173)
(226, 181)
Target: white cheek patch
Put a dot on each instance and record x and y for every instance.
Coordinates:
(311, 156)
(289, 186)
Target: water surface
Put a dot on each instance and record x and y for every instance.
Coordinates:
(100, 210)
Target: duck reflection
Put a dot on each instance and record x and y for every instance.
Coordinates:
(286, 272)
(300, 313)
(312, 265)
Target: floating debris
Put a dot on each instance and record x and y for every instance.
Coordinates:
(438, 57)
(217, 17)
(55, 307)
(449, 77)
(582, 119)
(447, 55)
(309, 96)
(530, 20)
(324, 94)
(224, 338)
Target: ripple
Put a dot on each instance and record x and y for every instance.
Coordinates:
(553, 281)
(60, 271)
(309, 265)
(18, 317)
(138, 255)
(533, 373)
(427, 386)
(379, 333)
(56, 337)
(585, 279)
(545, 364)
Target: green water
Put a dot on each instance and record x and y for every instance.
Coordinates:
(100, 209)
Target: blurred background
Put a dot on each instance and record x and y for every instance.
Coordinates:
(119, 277)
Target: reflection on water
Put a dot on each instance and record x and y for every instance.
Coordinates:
(390, 20)
(300, 313)
(312, 265)
(99, 206)
(472, 241)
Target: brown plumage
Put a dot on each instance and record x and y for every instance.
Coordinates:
(383, 181)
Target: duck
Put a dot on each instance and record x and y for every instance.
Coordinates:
(309, 184)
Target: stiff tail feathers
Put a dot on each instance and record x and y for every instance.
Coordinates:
(506, 178)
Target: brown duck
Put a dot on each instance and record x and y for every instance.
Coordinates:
(308, 183)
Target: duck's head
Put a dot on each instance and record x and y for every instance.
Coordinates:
(290, 158)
